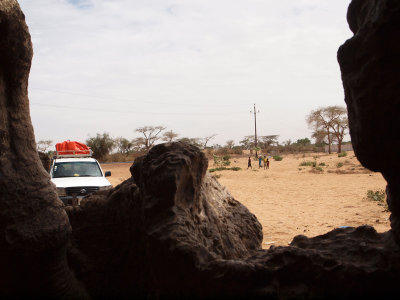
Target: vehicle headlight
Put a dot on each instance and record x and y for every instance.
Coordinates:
(61, 192)
(107, 187)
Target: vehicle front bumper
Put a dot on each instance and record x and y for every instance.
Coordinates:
(71, 200)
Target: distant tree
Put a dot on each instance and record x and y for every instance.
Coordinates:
(340, 125)
(248, 142)
(237, 149)
(123, 145)
(266, 141)
(206, 139)
(192, 141)
(303, 142)
(287, 143)
(169, 136)
(230, 144)
(321, 137)
(138, 144)
(150, 135)
(43, 145)
(321, 121)
(101, 145)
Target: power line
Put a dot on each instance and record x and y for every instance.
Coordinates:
(129, 112)
(141, 101)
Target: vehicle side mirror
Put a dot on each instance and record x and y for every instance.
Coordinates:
(107, 174)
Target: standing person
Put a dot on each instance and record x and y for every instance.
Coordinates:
(249, 164)
(267, 163)
(259, 161)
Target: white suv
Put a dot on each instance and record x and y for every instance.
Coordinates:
(77, 176)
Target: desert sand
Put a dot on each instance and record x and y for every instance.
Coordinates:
(289, 199)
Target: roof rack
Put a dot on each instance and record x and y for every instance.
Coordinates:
(73, 153)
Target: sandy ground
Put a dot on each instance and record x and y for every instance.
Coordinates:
(289, 199)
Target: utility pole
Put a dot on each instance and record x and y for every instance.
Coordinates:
(255, 127)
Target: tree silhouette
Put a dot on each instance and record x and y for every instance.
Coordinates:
(150, 135)
(169, 136)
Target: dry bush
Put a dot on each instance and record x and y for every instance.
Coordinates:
(119, 157)
(351, 171)
(317, 170)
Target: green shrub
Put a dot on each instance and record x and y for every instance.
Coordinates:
(342, 154)
(221, 161)
(217, 169)
(235, 168)
(322, 164)
(216, 159)
(101, 145)
(308, 163)
(277, 157)
(339, 165)
(226, 157)
(319, 169)
(378, 195)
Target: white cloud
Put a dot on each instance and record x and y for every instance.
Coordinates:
(197, 65)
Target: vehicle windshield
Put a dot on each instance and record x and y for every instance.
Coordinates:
(76, 169)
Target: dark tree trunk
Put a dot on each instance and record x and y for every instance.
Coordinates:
(329, 141)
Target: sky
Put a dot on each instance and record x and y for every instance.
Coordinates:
(194, 66)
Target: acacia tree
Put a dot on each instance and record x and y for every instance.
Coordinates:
(321, 121)
(138, 144)
(230, 144)
(207, 139)
(248, 142)
(169, 136)
(321, 137)
(43, 145)
(329, 123)
(267, 141)
(340, 125)
(150, 135)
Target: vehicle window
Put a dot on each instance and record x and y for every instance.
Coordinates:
(76, 169)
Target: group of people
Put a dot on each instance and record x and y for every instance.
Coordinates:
(261, 160)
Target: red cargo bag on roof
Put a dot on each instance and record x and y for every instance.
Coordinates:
(72, 148)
